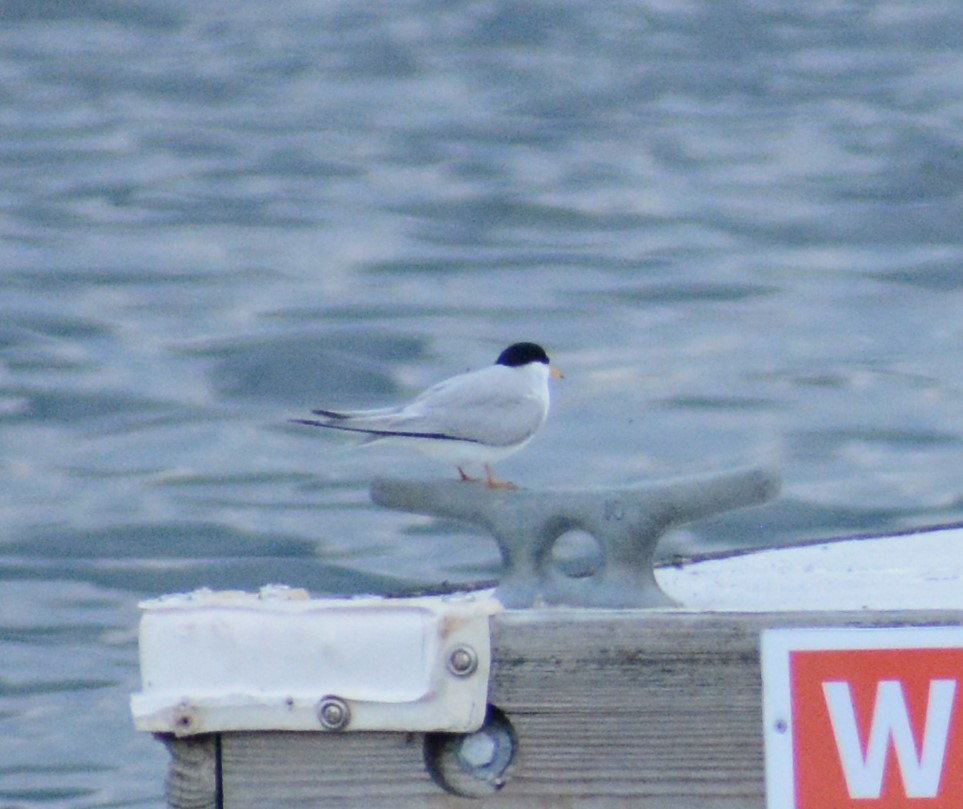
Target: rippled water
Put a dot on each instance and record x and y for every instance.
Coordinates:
(735, 226)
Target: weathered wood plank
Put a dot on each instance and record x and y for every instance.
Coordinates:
(193, 775)
(610, 709)
(323, 769)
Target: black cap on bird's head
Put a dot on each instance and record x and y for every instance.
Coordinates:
(518, 354)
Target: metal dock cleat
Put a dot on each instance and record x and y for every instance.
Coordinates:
(624, 525)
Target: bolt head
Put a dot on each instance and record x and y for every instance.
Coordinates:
(462, 661)
(473, 765)
(333, 713)
(478, 750)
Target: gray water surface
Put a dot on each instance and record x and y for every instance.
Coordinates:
(735, 226)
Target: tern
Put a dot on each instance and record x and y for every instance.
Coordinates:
(479, 417)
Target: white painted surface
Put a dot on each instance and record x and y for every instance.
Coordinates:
(251, 661)
(912, 571)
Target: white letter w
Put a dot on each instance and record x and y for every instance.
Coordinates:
(921, 771)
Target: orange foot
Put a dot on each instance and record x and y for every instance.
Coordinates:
(491, 483)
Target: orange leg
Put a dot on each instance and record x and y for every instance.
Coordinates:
(467, 478)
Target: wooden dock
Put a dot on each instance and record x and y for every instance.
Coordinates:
(609, 710)
(601, 707)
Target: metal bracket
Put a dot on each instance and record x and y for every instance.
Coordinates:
(626, 523)
(278, 660)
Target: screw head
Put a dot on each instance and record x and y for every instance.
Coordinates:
(462, 661)
(333, 713)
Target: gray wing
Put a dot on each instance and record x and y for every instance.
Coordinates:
(494, 406)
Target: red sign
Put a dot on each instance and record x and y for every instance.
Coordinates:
(864, 718)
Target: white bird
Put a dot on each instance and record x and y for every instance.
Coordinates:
(474, 418)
